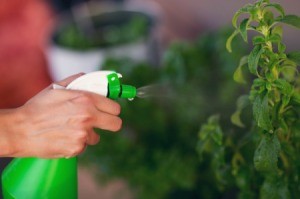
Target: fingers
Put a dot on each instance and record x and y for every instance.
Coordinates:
(68, 80)
(106, 105)
(108, 122)
(92, 138)
(99, 102)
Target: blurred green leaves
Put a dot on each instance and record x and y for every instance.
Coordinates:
(103, 33)
(266, 154)
(156, 150)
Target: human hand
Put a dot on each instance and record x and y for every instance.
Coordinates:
(59, 123)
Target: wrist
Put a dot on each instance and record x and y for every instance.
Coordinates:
(9, 119)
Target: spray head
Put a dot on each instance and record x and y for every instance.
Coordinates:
(105, 83)
(118, 90)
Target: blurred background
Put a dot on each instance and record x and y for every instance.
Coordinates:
(178, 44)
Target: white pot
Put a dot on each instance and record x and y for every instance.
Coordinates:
(64, 62)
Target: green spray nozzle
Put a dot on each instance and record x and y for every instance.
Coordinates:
(118, 90)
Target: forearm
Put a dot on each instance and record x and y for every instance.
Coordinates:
(8, 121)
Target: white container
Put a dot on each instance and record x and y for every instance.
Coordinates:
(64, 62)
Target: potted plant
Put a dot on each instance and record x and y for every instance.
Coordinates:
(93, 31)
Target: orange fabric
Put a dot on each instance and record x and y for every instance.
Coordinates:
(24, 31)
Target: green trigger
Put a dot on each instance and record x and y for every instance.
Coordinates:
(114, 86)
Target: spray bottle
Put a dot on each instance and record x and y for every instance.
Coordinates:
(37, 178)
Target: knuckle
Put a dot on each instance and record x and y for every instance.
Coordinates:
(85, 118)
(81, 119)
(81, 136)
(83, 98)
(77, 149)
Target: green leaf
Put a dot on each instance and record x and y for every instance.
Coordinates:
(217, 135)
(229, 41)
(254, 57)
(212, 130)
(281, 47)
(275, 188)
(243, 29)
(296, 98)
(292, 20)
(277, 6)
(261, 112)
(242, 103)
(277, 30)
(269, 18)
(245, 9)
(258, 40)
(238, 74)
(266, 154)
(294, 56)
(275, 38)
(284, 86)
(236, 119)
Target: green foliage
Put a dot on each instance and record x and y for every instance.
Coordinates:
(273, 95)
(266, 154)
(105, 34)
(242, 103)
(238, 74)
(156, 150)
(255, 157)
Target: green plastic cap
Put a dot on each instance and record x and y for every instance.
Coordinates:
(127, 91)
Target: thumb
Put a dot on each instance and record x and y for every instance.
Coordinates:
(68, 80)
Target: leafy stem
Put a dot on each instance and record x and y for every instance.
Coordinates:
(274, 87)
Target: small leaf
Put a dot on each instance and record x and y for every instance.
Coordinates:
(269, 18)
(229, 41)
(281, 47)
(212, 130)
(294, 56)
(284, 86)
(258, 40)
(238, 74)
(245, 9)
(275, 188)
(296, 98)
(236, 119)
(261, 112)
(292, 20)
(289, 72)
(217, 135)
(266, 154)
(277, 7)
(242, 103)
(243, 29)
(275, 38)
(254, 57)
(258, 82)
(286, 100)
(277, 30)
